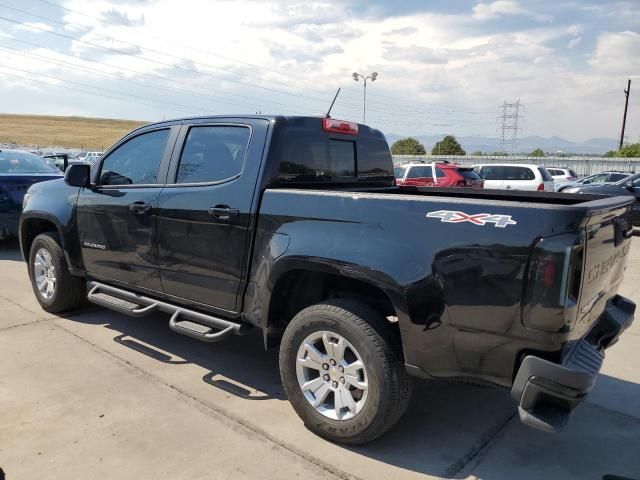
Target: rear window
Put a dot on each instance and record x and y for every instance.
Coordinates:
(307, 156)
(573, 173)
(545, 175)
(22, 162)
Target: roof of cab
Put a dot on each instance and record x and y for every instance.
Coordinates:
(289, 119)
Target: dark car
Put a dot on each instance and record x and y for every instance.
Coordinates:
(630, 185)
(294, 226)
(18, 171)
(596, 179)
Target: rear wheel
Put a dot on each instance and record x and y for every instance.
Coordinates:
(55, 288)
(342, 371)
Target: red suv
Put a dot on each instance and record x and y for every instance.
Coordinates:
(437, 175)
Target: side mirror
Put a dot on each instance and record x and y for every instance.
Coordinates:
(78, 176)
(629, 185)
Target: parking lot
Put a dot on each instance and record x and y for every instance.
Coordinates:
(96, 394)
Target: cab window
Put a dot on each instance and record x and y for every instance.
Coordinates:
(213, 153)
(135, 162)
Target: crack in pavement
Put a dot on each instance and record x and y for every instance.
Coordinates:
(479, 449)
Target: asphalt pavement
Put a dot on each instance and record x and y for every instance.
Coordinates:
(96, 394)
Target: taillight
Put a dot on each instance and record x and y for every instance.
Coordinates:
(548, 272)
(571, 179)
(553, 283)
(339, 126)
(540, 187)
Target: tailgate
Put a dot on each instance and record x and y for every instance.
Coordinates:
(572, 275)
(607, 244)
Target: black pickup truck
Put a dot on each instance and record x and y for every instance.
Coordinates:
(294, 226)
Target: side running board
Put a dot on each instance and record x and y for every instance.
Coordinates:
(200, 326)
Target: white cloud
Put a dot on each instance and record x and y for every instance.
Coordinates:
(574, 42)
(617, 52)
(499, 8)
(248, 53)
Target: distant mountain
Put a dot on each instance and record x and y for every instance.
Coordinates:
(525, 144)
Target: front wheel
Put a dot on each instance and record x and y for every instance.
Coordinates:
(55, 288)
(342, 371)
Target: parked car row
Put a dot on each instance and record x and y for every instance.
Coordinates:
(512, 176)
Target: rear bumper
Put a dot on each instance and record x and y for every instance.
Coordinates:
(547, 392)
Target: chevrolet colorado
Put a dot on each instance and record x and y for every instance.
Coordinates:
(294, 226)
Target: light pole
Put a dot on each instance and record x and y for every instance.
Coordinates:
(372, 77)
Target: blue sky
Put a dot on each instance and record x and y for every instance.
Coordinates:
(444, 66)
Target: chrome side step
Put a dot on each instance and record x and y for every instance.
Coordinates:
(200, 326)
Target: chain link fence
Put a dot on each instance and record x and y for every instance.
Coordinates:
(581, 165)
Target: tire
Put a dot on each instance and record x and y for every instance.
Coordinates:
(375, 341)
(67, 291)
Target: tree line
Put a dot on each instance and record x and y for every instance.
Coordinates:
(410, 146)
(450, 146)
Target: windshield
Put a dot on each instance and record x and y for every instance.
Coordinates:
(587, 179)
(23, 162)
(399, 172)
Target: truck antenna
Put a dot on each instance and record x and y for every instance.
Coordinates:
(334, 101)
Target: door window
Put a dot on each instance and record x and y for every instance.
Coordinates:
(213, 153)
(492, 173)
(616, 177)
(420, 172)
(135, 162)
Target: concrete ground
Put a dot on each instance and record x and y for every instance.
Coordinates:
(96, 394)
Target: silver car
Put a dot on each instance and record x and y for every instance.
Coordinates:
(598, 178)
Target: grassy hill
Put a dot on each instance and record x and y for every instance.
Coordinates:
(70, 132)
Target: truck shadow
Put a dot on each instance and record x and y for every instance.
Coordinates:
(10, 250)
(451, 429)
(251, 376)
(464, 431)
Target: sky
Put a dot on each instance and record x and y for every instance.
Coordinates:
(443, 66)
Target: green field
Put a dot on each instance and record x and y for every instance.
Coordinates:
(71, 132)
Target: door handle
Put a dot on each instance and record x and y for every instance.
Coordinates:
(223, 212)
(140, 208)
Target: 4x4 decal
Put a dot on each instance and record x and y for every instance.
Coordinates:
(452, 216)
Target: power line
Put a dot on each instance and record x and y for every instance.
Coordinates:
(181, 91)
(395, 105)
(185, 108)
(235, 60)
(158, 62)
(79, 90)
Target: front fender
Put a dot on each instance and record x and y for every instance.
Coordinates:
(52, 202)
